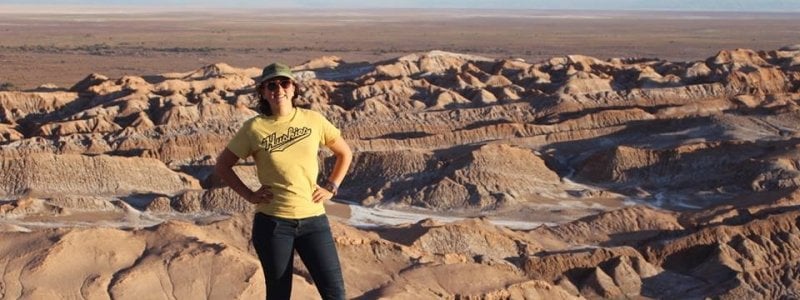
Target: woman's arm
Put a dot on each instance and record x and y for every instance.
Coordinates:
(224, 169)
(344, 156)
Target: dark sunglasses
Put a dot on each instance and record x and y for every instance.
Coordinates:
(284, 83)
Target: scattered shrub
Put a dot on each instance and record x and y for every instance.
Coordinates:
(7, 86)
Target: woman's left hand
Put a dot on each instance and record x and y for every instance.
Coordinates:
(321, 194)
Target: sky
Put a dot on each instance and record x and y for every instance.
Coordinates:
(670, 5)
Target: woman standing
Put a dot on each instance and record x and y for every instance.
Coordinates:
(284, 141)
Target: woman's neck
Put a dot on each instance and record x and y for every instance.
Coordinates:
(282, 110)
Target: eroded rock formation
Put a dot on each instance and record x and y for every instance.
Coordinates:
(657, 179)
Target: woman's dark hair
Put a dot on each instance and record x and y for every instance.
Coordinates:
(263, 104)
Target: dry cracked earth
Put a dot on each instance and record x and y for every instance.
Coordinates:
(656, 179)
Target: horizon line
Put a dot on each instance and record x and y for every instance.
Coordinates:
(29, 8)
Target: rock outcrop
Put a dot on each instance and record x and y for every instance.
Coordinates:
(50, 175)
(656, 179)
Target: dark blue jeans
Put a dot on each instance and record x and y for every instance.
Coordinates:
(275, 240)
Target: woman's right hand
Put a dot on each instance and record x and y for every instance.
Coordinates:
(262, 195)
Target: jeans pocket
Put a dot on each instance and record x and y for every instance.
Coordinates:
(263, 226)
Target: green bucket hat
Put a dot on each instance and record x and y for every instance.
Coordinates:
(276, 70)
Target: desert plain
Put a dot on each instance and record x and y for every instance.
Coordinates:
(498, 154)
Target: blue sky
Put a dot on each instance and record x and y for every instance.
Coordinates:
(681, 5)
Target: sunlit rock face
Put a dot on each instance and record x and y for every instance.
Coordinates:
(657, 179)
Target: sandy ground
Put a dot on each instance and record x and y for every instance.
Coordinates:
(62, 46)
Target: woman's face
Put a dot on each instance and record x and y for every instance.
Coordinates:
(278, 90)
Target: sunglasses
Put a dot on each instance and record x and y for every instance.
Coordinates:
(284, 83)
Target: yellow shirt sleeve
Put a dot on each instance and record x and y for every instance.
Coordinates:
(241, 144)
(329, 131)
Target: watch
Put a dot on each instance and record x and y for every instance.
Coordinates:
(331, 186)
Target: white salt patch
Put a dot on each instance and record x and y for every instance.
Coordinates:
(375, 216)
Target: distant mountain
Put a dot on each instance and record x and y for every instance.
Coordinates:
(679, 5)
(670, 5)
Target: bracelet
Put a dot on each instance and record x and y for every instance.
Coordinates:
(331, 186)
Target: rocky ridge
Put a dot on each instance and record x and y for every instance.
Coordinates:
(707, 149)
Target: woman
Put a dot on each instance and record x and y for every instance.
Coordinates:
(284, 141)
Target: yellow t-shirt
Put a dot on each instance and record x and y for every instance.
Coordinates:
(285, 151)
